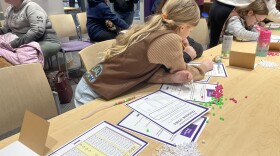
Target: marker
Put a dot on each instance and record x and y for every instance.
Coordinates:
(269, 26)
(219, 64)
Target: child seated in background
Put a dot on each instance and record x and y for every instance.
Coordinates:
(102, 24)
(241, 23)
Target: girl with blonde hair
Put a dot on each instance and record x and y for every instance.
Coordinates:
(241, 26)
(151, 52)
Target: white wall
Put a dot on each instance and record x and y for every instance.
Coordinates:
(50, 6)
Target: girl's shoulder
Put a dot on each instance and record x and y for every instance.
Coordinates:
(235, 19)
(166, 38)
(167, 34)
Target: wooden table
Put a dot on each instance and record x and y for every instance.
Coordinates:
(251, 126)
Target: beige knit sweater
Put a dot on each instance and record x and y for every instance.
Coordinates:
(168, 50)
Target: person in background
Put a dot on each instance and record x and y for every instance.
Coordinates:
(221, 9)
(102, 24)
(241, 26)
(72, 3)
(200, 3)
(156, 4)
(125, 9)
(30, 22)
(192, 49)
(151, 52)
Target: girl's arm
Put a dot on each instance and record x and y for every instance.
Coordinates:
(167, 50)
(237, 28)
(161, 76)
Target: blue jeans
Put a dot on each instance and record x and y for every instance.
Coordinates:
(126, 16)
(84, 93)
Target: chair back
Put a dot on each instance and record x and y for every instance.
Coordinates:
(24, 87)
(201, 33)
(82, 19)
(94, 54)
(64, 25)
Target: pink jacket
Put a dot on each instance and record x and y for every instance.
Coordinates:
(25, 54)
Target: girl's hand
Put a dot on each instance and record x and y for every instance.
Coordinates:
(182, 76)
(208, 64)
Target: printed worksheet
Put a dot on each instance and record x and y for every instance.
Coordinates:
(205, 79)
(201, 92)
(168, 111)
(218, 70)
(140, 124)
(272, 26)
(102, 140)
(275, 38)
(17, 148)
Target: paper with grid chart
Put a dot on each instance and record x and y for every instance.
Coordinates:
(102, 140)
(168, 111)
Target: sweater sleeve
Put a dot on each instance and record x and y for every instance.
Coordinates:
(37, 19)
(161, 76)
(274, 14)
(198, 72)
(237, 29)
(107, 14)
(167, 50)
